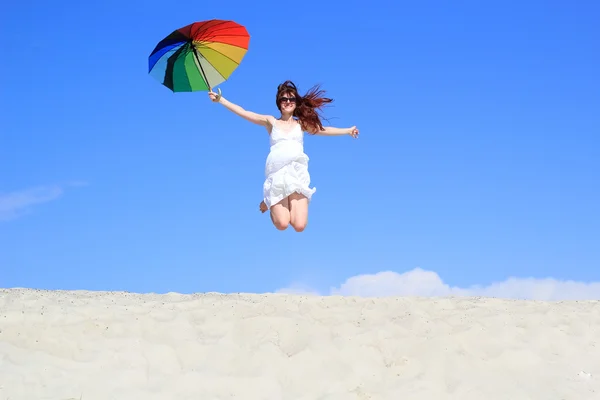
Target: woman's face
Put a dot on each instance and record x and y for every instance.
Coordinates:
(287, 102)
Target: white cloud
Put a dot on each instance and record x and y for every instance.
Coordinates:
(419, 282)
(18, 203)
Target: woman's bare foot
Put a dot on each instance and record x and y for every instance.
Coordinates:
(263, 207)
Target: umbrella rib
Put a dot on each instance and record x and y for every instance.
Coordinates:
(213, 35)
(212, 40)
(211, 64)
(224, 55)
(219, 72)
(215, 39)
(171, 60)
(219, 24)
(210, 27)
(201, 27)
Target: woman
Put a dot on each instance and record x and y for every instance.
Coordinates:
(286, 191)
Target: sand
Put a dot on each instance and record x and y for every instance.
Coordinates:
(63, 345)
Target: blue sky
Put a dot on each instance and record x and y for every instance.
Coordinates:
(478, 158)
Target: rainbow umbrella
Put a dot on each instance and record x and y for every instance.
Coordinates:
(199, 56)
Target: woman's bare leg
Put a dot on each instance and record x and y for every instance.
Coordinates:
(298, 211)
(280, 214)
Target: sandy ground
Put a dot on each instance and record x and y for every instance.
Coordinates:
(63, 345)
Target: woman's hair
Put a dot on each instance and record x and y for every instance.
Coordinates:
(307, 106)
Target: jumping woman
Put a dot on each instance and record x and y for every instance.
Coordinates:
(286, 191)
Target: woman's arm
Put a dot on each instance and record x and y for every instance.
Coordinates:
(259, 119)
(331, 131)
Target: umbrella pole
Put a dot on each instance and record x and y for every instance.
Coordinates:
(200, 64)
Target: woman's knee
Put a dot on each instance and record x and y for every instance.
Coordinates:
(280, 219)
(282, 225)
(299, 211)
(299, 226)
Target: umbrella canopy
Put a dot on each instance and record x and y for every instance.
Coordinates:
(199, 56)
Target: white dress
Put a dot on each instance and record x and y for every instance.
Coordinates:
(286, 168)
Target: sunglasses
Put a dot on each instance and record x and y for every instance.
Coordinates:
(284, 99)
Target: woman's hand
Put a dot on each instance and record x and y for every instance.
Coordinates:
(214, 96)
(354, 132)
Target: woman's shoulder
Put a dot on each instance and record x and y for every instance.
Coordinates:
(270, 123)
(271, 120)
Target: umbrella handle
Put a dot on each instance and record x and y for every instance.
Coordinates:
(219, 95)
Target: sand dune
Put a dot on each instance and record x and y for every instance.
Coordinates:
(98, 346)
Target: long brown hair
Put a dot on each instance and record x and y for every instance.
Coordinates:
(307, 106)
